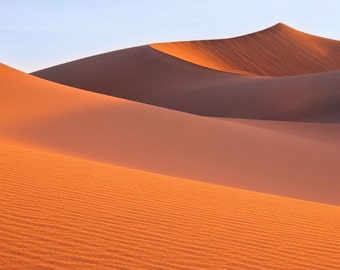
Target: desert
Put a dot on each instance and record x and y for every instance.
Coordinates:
(205, 154)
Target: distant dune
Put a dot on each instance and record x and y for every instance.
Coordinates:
(57, 118)
(58, 212)
(146, 75)
(277, 51)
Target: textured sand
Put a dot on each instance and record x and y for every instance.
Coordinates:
(277, 51)
(58, 212)
(115, 131)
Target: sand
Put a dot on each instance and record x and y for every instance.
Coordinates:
(277, 51)
(325, 132)
(58, 212)
(205, 164)
(120, 132)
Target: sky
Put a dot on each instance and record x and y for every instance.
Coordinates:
(35, 34)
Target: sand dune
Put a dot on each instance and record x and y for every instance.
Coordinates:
(60, 119)
(146, 75)
(58, 212)
(93, 181)
(323, 132)
(277, 51)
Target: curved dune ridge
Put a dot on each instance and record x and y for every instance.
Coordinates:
(149, 76)
(58, 212)
(277, 51)
(57, 118)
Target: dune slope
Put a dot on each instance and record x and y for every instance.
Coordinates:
(58, 212)
(146, 75)
(64, 120)
(322, 132)
(277, 51)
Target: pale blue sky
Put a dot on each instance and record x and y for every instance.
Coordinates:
(35, 34)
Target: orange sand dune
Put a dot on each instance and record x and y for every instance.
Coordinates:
(146, 75)
(63, 213)
(57, 118)
(324, 132)
(277, 51)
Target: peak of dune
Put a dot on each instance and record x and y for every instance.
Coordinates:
(280, 26)
(282, 29)
(279, 50)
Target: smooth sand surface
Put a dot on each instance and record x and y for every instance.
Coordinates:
(277, 51)
(324, 132)
(58, 212)
(60, 119)
(146, 75)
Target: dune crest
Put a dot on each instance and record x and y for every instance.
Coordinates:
(276, 51)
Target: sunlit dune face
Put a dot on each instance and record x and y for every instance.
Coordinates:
(276, 51)
(199, 54)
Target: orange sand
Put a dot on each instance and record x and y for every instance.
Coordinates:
(261, 53)
(58, 212)
(323, 132)
(57, 118)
